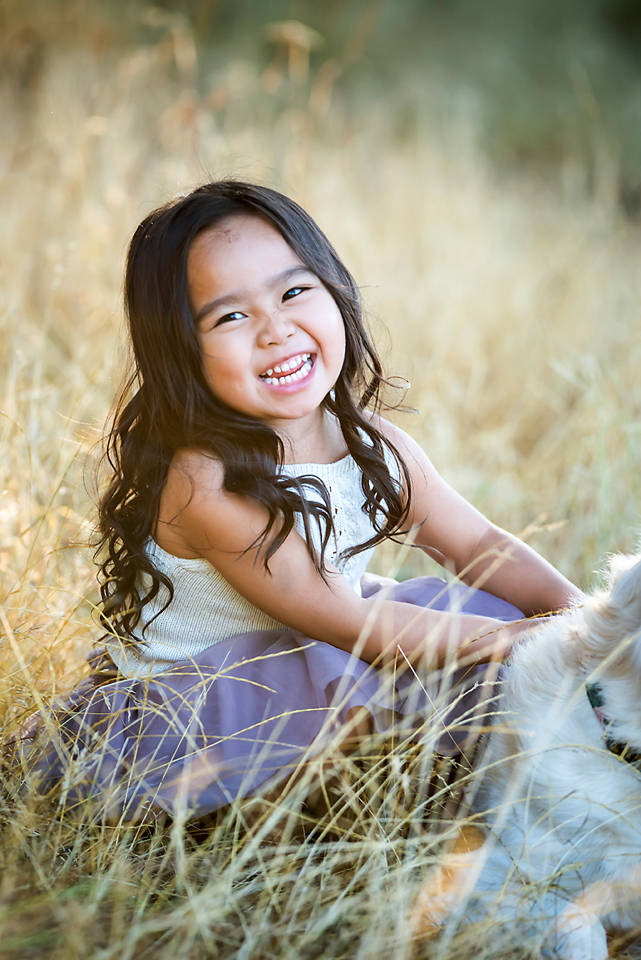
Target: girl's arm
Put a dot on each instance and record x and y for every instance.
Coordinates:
(483, 555)
(199, 518)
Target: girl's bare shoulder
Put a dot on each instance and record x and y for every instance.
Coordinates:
(194, 484)
(409, 449)
(194, 472)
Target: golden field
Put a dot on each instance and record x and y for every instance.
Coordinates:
(511, 301)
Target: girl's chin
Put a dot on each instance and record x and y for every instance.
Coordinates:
(296, 409)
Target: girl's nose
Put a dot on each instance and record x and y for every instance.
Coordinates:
(275, 329)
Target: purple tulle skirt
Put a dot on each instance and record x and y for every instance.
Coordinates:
(250, 711)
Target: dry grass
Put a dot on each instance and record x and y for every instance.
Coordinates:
(511, 304)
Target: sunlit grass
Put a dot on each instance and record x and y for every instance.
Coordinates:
(513, 307)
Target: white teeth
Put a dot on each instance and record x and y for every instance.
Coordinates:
(270, 375)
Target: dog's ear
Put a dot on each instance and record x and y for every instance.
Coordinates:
(614, 614)
(619, 564)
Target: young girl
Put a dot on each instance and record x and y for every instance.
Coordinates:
(252, 478)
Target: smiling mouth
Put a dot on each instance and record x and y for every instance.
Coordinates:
(292, 370)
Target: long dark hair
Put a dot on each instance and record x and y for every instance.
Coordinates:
(166, 404)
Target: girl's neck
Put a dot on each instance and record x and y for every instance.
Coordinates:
(322, 442)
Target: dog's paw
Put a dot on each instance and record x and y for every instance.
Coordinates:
(579, 935)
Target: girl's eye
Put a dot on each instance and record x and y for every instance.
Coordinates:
(294, 292)
(236, 315)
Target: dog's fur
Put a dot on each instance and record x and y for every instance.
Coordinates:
(562, 857)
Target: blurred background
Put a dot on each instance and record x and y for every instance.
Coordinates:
(477, 165)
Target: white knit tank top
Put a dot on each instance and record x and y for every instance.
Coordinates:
(206, 609)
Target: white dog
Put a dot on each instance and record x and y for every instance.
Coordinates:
(560, 786)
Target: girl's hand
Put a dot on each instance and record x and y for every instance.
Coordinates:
(497, 643)
(436, 638)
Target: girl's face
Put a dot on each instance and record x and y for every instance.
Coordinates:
(272, 336)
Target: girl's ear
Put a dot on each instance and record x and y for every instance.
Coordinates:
(613, 616)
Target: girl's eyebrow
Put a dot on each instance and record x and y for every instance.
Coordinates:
(230, 298)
